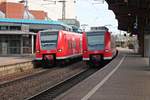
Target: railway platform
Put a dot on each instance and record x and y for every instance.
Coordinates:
(7, 60)
(127, 77)
(13, 64)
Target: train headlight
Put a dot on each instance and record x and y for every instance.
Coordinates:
(107, 50)
(84, 51)
(38, 51)
(59, 50)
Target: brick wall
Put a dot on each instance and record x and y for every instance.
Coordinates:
(2, 1)
(16, 10)
(2, 7)
(12, 10)
(38, 14)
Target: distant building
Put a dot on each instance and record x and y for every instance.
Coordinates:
(12, 10)
(2, 1)
(39, 14)
(17, 32)
(74, 23)
(53, 9)
(96, 28)
(19, 25)
(18, 11)
(17, 36)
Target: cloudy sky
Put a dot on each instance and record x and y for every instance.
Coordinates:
(86, 11)
(94, 14)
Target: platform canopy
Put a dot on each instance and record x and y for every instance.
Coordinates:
(134, 17)
(131, 14)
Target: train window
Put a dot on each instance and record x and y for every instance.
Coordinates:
(74, 44)
(69, 44)
(48, 40)
(80, 43)
(95, 40)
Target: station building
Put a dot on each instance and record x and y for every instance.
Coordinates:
(18, 28)
(17, 36)
(74, 23)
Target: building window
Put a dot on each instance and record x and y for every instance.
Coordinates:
(3, 27)
(27, 44)
(15, 28)
(10, 28)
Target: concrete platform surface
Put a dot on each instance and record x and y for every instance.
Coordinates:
(7, 60)
(127, 77)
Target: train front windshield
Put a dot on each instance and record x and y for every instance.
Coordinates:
(95, 40)
(48, 40)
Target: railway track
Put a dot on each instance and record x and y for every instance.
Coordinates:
(31, 75)
(47, 84)
(53, 91)
(24, 87)
(22, 78)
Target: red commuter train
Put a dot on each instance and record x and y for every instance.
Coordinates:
(57, 46)
(98, 46)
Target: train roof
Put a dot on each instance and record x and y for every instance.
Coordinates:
(48, 30)
(33, 21)
(95, 31)
(69, 32)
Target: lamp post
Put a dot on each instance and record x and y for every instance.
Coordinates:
(63, 7)
(25, 2)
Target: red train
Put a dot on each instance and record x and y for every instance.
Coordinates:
(57, 46)
(98, 46)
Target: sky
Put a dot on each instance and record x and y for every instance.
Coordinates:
(93, 14)
(53, 9)
(86, 11)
